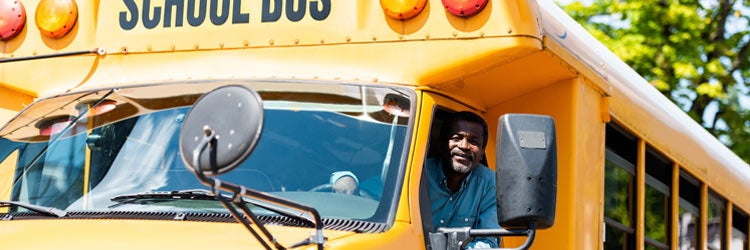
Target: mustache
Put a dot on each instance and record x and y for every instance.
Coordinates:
(469, 155)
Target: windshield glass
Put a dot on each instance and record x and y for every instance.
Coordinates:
(77, 152)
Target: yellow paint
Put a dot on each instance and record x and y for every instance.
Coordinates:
(87, 160)
(640, 176)
(7, 169)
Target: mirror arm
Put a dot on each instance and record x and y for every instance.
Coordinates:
(458, 238)
(239, 191)
(216, 185)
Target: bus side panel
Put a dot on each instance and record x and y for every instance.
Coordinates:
(576, 108)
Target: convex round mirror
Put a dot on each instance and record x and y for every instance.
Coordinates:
(233, 116)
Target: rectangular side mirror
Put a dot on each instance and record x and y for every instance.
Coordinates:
(526, 171)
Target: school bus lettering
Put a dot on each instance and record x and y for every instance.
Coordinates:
(319, 10)
(195, 11)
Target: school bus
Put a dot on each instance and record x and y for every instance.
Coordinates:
(97, 93)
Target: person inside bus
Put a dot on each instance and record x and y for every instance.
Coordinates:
(344, 182)
(461, 189)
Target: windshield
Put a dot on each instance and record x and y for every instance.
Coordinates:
(77, 152)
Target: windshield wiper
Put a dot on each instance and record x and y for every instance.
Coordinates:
(192, 194)
(198, 194)
(51, 211)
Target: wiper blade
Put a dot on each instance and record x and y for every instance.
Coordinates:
(51, 211)
(199, 194)
(193, 194)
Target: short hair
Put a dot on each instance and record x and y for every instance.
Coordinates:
(469, 117)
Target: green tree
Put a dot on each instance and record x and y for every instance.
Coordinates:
(695, 52)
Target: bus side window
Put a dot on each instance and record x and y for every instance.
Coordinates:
(658, 199)
(688, 217)
(619, 189)
(715, 221)
(739, 230)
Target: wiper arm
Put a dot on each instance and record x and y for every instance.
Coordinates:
(51, 211)
(193, 194)
(201, 194)
(162, 196)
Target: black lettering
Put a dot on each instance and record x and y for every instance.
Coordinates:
(321, 13)
(268, 15)
(150, 23)
(237, 16)
(217, 19)
(180, 7)
(295, 15)
(125, 23)
(194, 20)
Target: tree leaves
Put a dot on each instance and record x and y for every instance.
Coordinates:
(695, 52)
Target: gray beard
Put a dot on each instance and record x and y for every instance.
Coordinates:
(461, 168)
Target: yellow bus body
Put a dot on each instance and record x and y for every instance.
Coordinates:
(519, 56)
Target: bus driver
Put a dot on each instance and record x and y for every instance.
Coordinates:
(462, 190)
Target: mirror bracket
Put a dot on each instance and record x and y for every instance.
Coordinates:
(459, 237)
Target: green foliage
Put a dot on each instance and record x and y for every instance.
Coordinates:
(696, 52)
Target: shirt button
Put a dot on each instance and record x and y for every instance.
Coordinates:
(441, 222)
(450, 199)
(466, 219)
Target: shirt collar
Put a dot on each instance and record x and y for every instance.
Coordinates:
(444, 180)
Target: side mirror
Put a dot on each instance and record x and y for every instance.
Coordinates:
(230, 119)
(526, 171)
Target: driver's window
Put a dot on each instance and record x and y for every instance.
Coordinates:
(437, 146)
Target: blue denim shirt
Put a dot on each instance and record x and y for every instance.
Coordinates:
(474, 205)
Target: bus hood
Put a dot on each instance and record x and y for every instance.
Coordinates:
(142, 234)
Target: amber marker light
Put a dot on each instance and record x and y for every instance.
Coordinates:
(464, 8)
(402, 9)
(55, 18)
(12, 19)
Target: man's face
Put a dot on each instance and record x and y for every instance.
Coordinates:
(465, 146)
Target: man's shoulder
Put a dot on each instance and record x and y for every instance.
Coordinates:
(484, 173)
(432, 162)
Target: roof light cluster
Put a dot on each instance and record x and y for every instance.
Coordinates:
(53, 18)
(407, 9)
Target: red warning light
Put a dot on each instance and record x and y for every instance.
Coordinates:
(12, 19)
(464, 8)
(55, 125)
